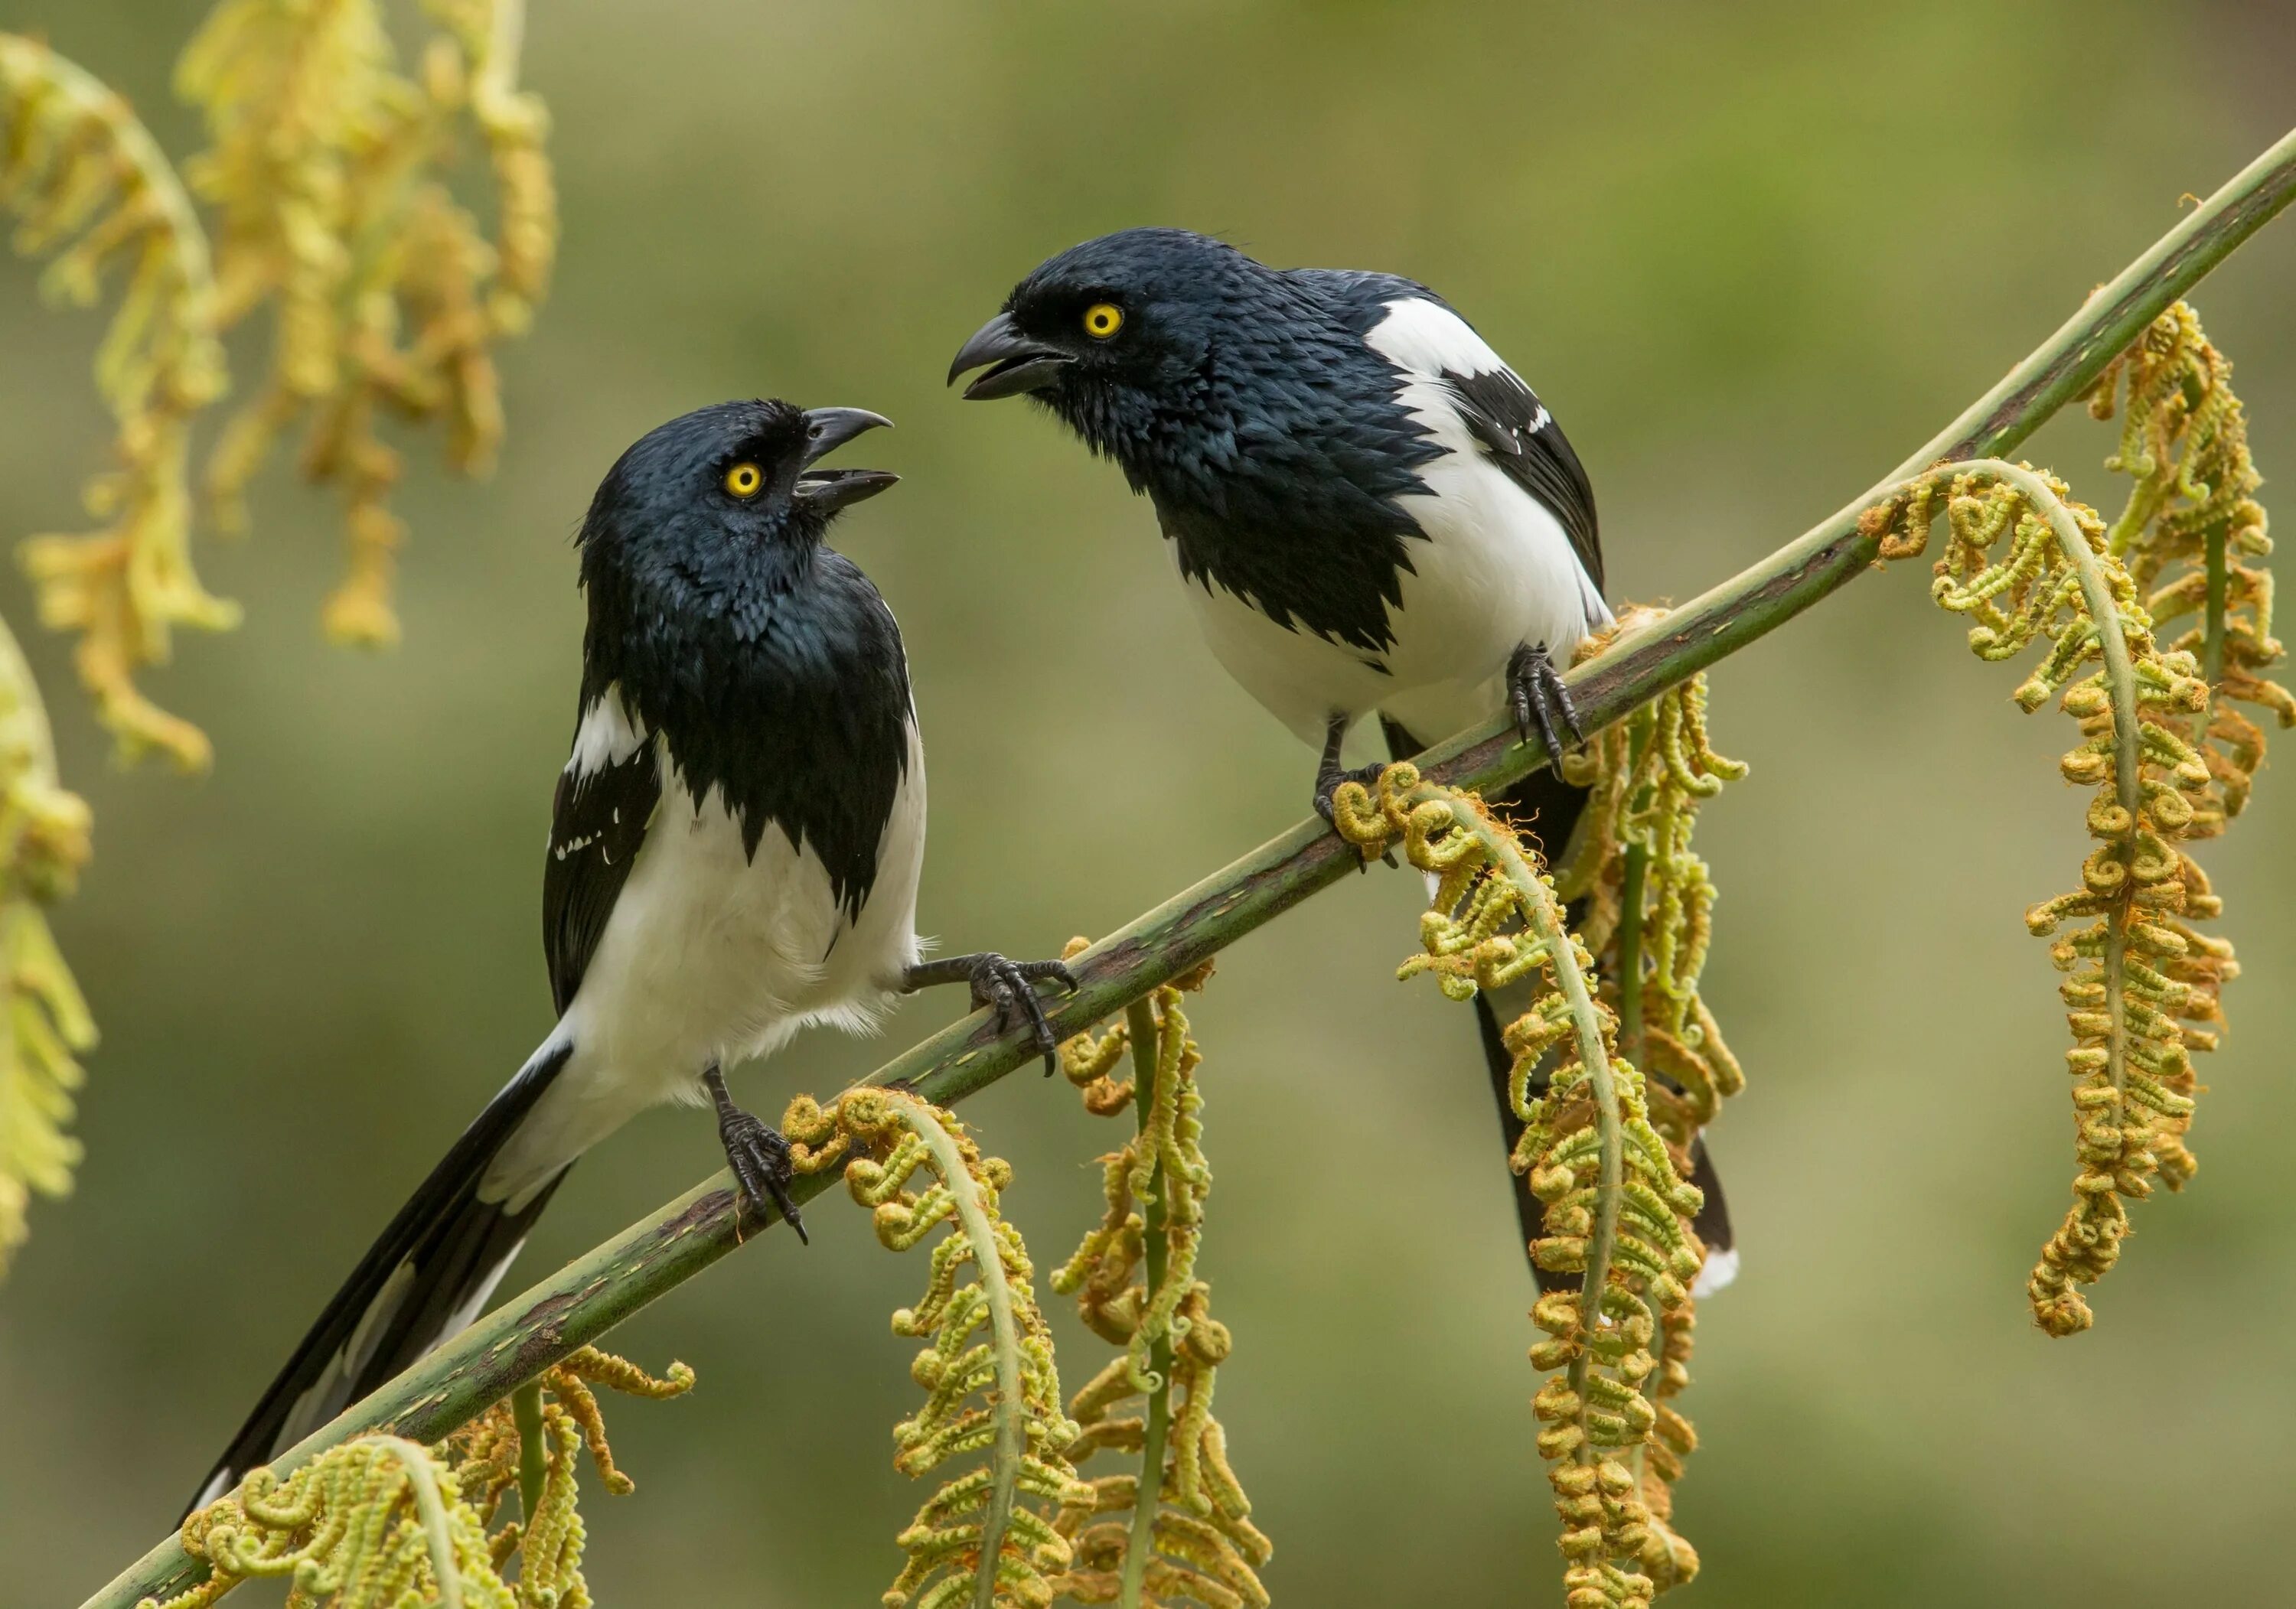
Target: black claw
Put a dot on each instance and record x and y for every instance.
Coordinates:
(1006, 988)
(1328, 782)
(758, 1156)
(1540, 701)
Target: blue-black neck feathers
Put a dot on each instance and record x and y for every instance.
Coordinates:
(768, 663)
(1243, 401)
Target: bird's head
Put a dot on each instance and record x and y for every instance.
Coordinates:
(1115, 335)
(733, 480)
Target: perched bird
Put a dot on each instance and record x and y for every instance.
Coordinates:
(1371, 512)
(733, 855)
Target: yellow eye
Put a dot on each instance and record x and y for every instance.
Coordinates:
(1103, 319)
(744, 480)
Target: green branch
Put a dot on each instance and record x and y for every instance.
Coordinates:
(1154, 1250)
(590, 1295)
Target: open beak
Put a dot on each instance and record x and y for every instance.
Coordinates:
(1015, 362)
(831, 490)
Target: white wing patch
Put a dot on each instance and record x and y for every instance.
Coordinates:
(1497, 570)
(1426, 338)
(610, 733)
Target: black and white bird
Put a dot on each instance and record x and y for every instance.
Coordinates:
(733, 855)
(1371, 512)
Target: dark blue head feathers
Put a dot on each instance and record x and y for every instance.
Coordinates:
(767, 662)
(1244, 400)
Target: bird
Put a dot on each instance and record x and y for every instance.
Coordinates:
(1371, 512)
(734, 849)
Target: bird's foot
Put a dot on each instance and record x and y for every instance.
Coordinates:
(1329, 778)
(758, 1153)
(1006, 988)
(1539, 701)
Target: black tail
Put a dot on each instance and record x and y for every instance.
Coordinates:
(420, 1282)
(1547, 809)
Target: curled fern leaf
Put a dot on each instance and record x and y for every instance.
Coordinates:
(986, 1537)
(327, 165)
(383, 1522)
(1179, 1527)
(1617, 1211)
(94, 192)
(2030, 566)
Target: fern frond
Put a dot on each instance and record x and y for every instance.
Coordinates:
(383, 1522)
(327, 164)
(985, 1536)
(92, 192)
(2030, 566)
(1191, 1539)
(1617, 1211)
(1649, 898)
(44, 842)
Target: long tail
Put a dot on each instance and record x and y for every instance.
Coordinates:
(1547, 808)
(427, 1276)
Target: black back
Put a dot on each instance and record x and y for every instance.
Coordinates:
(1273, 439)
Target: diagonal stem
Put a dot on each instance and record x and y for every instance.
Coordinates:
(596, 1292)
(1142, 1022)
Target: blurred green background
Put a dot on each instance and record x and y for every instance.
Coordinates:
(1752, 253)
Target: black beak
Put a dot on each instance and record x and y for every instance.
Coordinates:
(1021, 363)
(828, 430)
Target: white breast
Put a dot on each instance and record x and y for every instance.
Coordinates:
(1496, 571)
(713, 955)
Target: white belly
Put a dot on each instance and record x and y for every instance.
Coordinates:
(712, 956)
(1496, 571)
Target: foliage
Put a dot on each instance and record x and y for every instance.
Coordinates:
(1196, 1542)
(43, 844)
(326, 168)
(328, 173)
(2143, 982)
(1617, 1211)
(92, 187)
(383, 1522)
(1000, 1392)
(1648, 917)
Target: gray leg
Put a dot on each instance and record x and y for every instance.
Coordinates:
(757, 1153)
(1539, 701)
(1006, 987)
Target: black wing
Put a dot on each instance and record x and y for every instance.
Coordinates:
(1523, 438)
(597, 825)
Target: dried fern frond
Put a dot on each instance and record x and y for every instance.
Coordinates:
(1134, 1280)
(1617, 1211)
(383, 1522)
(1648, 910)
(2030, 566)
(92, 192)
(986, 1537)
(44, 842)
(327, 165)
(2195, 539)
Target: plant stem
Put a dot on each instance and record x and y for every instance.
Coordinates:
(431, 1506)
(533, 1457)
(1545, 919)
(597, 1291)
(2120, 687)
(1010, 1411)
(2212, 634)
(1140, 1018)
(1630, 955)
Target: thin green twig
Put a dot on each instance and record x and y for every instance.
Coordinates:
(1140, 1021)
(533, 1457)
